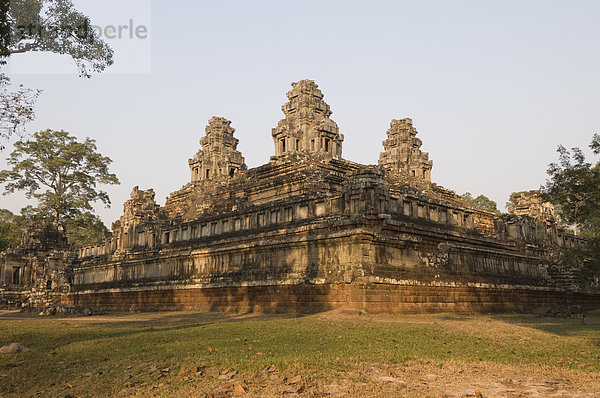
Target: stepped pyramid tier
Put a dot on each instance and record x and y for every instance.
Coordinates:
(308, 231)
(307, 128)
(219, 156)
(402, 156)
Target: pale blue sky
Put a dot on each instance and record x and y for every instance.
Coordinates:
(492, 87)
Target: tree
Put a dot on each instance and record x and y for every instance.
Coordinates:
(61, 173)
(574, 189)
(85, 229)
(16, 109)
(54, 26)
(43, 25)
(481, 202)
(10, 229)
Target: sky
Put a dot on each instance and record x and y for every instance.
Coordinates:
(493, 87)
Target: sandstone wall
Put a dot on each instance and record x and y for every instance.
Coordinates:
(371, 298)
(363, 249)
(368, 263)
(308, 229)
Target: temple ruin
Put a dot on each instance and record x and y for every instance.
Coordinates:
(309, 231)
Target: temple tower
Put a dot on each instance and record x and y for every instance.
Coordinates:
(402, 156)
(307, 128)
(219, 156)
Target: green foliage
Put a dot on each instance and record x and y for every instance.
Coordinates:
(10, 229)
(49, 26)
(61, 173)
(574, 189)
(56, 26)
(106, 353)
(85, 229)
(482, 202)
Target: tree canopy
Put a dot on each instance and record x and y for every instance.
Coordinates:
(16, 108)
(48, 26)
(574, 189)
(10, 229)
(84, 229)
(54, 26)
(481, 202)
(61, 173)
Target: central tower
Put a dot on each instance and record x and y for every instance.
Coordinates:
(307, 128)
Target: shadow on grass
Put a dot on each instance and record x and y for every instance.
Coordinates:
(128, 325)
(567, 327)
(156, 327)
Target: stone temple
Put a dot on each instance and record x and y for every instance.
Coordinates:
(307, 231)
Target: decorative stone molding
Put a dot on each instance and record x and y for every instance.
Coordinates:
(307, 128)
(402, 156)
(219, 157)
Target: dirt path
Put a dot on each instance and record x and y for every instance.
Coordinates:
(448, 379)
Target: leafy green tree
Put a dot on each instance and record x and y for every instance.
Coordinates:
(48, 26)
(61, 173)
(10, 229)
(84, 229)
(482, 202)
(54, 26)
(574, 189)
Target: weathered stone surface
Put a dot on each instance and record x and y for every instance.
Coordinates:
(531, 204)
(307, 128)
(39, 270)
(12, 348)
(219, 156)
(310, 230)
(61, 310)
(369, 298)
(402, 157)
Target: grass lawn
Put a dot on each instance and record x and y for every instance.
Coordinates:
(327, 354)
